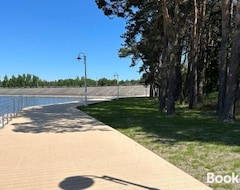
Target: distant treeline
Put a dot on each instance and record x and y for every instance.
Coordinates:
(33, 81)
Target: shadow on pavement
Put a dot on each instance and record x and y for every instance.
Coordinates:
(83, 182)
(76, 183)
(59, 118)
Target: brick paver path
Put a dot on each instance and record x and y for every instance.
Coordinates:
(59, 147)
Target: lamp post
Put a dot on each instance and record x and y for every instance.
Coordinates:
(80, 55)
(116, 75)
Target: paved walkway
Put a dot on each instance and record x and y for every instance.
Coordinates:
(58, 147)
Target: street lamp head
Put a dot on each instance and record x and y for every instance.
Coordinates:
(80, 55)
(79, 58)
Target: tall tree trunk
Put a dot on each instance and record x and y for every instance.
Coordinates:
(202, 51)
(163, 76)
(172, 85)
(223, 55)
(164, 70)
(151, 90)
(173, 63)
(232, 84)
(194, 61)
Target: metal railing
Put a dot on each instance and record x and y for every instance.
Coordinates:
(11, 106)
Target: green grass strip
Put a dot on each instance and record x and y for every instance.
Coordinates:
(193, 140)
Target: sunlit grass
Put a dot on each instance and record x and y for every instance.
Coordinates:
(193, 140)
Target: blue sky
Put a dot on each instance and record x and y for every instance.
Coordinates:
(44, 38)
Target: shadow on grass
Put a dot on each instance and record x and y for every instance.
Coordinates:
(61, 118)
(141, 116)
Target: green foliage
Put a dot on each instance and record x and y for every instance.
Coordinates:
(150, 41)
(23, 81)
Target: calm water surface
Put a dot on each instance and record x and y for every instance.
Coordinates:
(12, 104)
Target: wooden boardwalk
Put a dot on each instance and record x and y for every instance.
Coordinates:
(59, 147)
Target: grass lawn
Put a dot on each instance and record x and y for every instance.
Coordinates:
(193, 140)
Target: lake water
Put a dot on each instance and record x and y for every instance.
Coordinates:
(13, 104)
